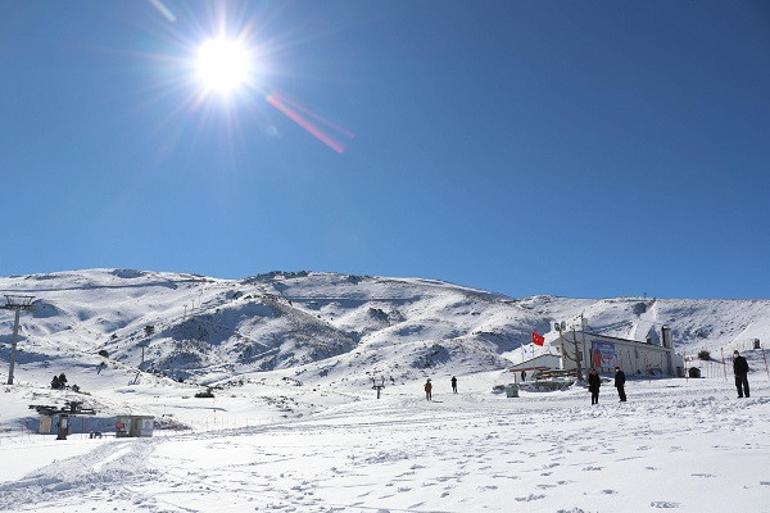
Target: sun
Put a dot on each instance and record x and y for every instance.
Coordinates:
(223, 65)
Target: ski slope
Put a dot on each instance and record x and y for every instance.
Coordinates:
(294, 425)
(683, 445)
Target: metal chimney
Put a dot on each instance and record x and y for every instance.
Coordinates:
(665, 333)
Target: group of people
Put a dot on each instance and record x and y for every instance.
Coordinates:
(59, 382)
(595, 382)
(429, 388)
(740, 369)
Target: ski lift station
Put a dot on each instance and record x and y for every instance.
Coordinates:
(50, 422)
(654, 357)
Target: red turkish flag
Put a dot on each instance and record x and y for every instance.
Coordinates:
(537, 338)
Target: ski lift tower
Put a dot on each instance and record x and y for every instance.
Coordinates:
(378, 386)
(17, 304)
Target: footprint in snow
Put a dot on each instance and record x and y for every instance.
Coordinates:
(501, 476)
(764, 483)
(591, 468)
(703, 475)
(529, 498)
(609, 492)
(664, 504)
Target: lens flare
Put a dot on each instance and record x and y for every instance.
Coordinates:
(293, 111)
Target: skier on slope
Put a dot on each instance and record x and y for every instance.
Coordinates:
(454, 384)
(594, 382)
(741, 371)
(620, 383)
(428, 390)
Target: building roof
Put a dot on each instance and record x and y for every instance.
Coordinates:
(627, 340)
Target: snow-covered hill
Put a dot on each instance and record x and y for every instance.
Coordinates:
(322, 327)
(295, 426)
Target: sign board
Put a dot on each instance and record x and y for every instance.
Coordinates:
(603, 355)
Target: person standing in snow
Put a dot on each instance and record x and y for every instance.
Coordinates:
(428, 390)
(594, 382)
(620, 383)
(454, 384)
(741, 370)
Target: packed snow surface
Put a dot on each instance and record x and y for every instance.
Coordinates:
(295, 426)
(686, 445)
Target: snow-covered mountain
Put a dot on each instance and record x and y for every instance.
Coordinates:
(325, 326)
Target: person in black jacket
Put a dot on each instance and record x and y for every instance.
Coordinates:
(620, 383)
(454, 384)
(594, 382)
(741, 370)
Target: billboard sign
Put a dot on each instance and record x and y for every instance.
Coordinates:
(603, 355)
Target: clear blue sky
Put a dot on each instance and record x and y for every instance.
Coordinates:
(575, 148)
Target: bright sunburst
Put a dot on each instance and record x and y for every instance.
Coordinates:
(223, 65)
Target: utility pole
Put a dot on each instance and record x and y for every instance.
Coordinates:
(724, 365)
(561, 327)
(583, 325)
(149, 331)
(17, 304)
(764, 357)
(578, 356)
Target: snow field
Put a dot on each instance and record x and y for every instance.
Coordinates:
(688, 446)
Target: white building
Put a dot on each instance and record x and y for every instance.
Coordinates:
(605, 353)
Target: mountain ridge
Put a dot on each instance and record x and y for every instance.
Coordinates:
(330, 326)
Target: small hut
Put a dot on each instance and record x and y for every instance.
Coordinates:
(134, 426)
